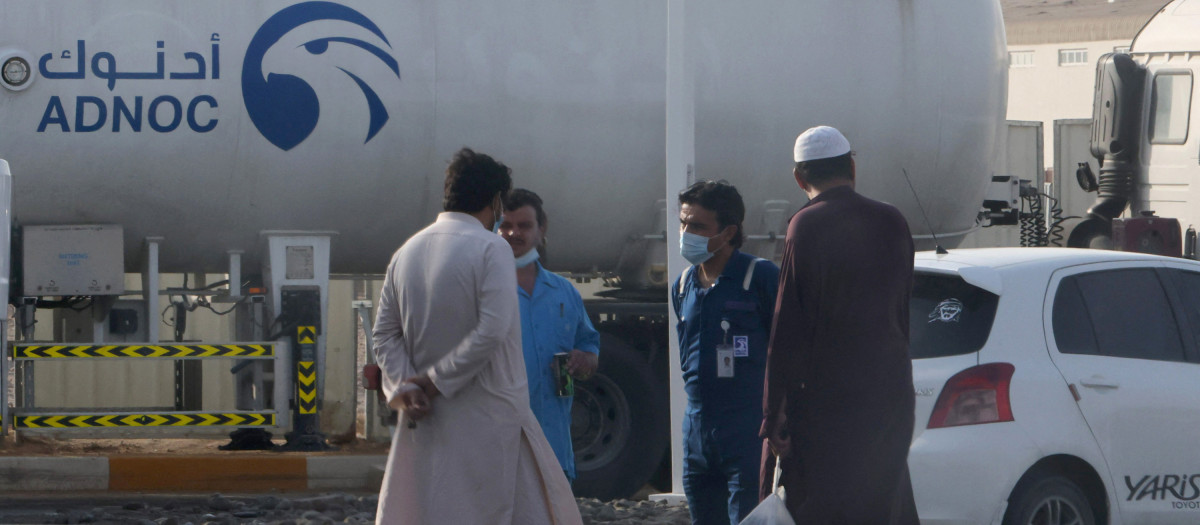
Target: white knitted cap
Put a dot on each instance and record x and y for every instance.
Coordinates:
(821, 142)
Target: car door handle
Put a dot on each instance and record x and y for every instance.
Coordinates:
(1098, 382)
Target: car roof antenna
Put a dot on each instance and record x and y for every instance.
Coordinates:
(937, 244)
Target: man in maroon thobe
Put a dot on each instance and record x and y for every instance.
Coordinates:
(838, 399)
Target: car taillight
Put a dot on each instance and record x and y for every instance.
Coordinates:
(974, 396)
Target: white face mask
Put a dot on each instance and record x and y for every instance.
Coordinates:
(498, 214)
(528, 258)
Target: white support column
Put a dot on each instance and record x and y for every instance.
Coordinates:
(258, 378)
(283, 386)
(680, 157)
(150, 286)
(370, 405)
(5, 270)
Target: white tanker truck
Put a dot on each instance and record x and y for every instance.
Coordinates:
(309, 138)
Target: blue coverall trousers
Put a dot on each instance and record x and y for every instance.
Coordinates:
(720, 471)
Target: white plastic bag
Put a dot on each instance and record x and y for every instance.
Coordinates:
(773, 510)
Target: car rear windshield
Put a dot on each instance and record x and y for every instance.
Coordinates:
(948, 317)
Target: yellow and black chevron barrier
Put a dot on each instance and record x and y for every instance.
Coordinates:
(306, 382)
(306, 335)
(306, 369)
(244, 351)
(216, 419)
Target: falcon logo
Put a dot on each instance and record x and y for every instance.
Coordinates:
(285, 108)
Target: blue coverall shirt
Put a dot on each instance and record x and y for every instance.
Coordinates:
(720, 427)
(553, 320)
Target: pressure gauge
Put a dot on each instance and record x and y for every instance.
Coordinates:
(16, 72)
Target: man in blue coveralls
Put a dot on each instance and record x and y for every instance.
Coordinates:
(724, 304)
(553, 321)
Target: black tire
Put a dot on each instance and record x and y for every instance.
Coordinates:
(619, 424)
(1049, 500)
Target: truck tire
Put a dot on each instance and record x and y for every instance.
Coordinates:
(1049, 500)
(619, 424)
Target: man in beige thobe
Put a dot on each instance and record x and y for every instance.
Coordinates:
(468, 449)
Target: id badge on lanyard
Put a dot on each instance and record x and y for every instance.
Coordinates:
(725, 354)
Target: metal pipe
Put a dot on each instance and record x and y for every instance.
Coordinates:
(150, 284)
(235, 274)
(1189, 243)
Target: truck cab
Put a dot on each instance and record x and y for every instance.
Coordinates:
(1141, 132)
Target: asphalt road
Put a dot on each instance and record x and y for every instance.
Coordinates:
(178, 509)
(294, 509)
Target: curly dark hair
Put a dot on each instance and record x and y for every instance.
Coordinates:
(721, 198)
(821, 171)
(520, 197)
(473, 180)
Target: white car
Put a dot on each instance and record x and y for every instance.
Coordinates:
(1056, 386)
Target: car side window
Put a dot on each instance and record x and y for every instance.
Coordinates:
(1073, 329)
(1131, 315)
(1189, 294)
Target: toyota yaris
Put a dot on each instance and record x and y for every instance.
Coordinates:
(1056, 386)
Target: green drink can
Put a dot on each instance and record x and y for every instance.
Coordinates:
(564, 383)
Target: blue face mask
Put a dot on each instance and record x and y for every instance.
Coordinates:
(694, 248)
(528, 258)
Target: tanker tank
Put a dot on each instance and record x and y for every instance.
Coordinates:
(210, 123)
(207, 123)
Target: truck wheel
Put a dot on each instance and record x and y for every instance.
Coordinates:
(1049, 500)
(619, 424)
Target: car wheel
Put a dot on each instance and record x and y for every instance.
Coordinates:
(619, 424)
(1049, 500)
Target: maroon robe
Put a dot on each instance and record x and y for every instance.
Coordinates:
(838, 364)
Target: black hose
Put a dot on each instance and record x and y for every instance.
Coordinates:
(1116, 187)
(1033, 223)
(1054, 234)
(1116, 135)
(1034, 228)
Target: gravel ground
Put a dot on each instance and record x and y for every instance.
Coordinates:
(217, 509)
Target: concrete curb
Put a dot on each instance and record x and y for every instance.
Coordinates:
(191, 473)
(53, 473)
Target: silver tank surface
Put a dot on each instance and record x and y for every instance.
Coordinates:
(207, 122)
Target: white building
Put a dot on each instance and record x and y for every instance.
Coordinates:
(1053, 47)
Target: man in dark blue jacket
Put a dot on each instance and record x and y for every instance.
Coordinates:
(724, 304)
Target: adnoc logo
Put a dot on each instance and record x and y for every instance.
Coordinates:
(285, 108)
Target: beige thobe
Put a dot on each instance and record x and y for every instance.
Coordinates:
(449, 308)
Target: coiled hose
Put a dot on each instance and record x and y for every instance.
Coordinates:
(1034, 230)
(1033, 223)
